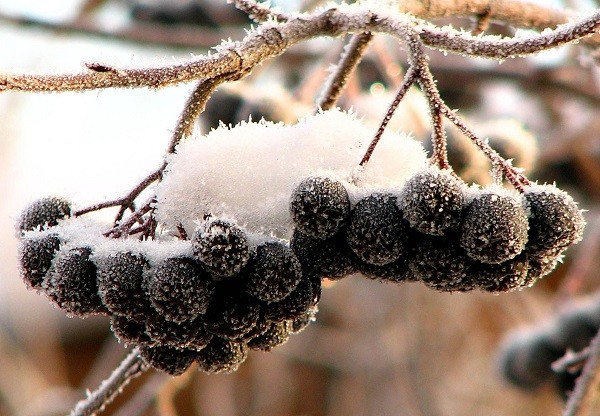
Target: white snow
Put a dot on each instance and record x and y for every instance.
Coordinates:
(248, 172)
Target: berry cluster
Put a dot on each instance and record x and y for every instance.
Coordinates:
(526, 357)
(435, 230)
(223, 296)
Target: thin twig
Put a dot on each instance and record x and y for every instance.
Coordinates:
(271, 39)
(409, 79)
(351, 56)
(257, 11)
(125, 226)
(571, 361)
(587, 385)
(132, 366)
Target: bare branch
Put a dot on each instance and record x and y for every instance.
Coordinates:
(352, 55)
(271, 39)
(587, 385)
(131, 367)
(258, 11)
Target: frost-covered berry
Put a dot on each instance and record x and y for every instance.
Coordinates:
(320, 207)
(331, 258)
(555, 221)
(35, 258)
(129, 332)
(300, 323)
(221, 356)
(440, 264)
(179, 288)
(397, 271)
(45, 212)
(71, 283)
(540, 267)
(503, 277)
(231, 313)
(526, 359)
(171, 360)
(276, 334)
(187, 334)
(222, 247)
(377, 232)
(121, 284)
(494, 227)
(432, 201)
(296, 304)
(273, 272)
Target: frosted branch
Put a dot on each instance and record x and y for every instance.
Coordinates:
(271, 39)
(587, 385)
(131, 367)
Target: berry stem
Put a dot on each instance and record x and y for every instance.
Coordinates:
(131, 367)
(351, 56)
(126, 225)
(587, 385)
(409, 79)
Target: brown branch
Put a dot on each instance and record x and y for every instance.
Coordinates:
(271, 39)
(587, 385)
(351, 56)
(571, 361)
(257, 11)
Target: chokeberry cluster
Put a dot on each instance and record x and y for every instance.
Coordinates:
(219, 295)
(527, 356)
(435, 230)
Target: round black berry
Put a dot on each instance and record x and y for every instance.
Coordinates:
(45, 212)
(221, 356)
(555, 221)
(432, 201)
(129, 332)
(272, 273)
(231, 313)
(222, 247)
(35, 258)
(320, 207)
(540, 267)
(397, 271)
(71, 283)
(440, 264)
(276, 334)
(300, 323)
(377, 232)
(503, 277)
(179, 288)
(187, 334)
(494, 228)
(298, 303)
(121, 285)
(330, 258)
(171, 360)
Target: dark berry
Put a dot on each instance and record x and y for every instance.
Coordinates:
(396, 272)
(187, 334)
(171, 360)
(440, 264)
(540, 267)
(71, 283)
(221, 356)
(576, 327)
(330, 258)
(129, 332)
(231, 313)
(503, 277)
(432, 201)
(35, 258)
(320, 207)
(494, 228)
(377, 232)
(300, 323)
(555, 221)
(45, 212)
(121, 285)
(272, 273)
(276, 334)
(222, 247)
(298, 303)
(179, 288)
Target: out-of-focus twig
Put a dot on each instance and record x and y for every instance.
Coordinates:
(587, 385)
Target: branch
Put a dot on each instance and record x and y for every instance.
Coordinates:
(586, 387)
(258, 11)
(271, 39)
(352, 55)
(131, 367)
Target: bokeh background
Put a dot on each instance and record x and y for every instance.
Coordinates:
(375, 349)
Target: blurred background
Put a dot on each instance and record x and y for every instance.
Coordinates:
(375, 349)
